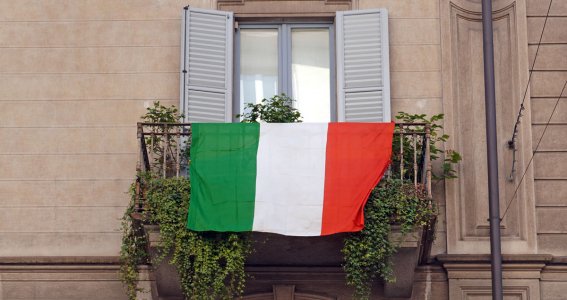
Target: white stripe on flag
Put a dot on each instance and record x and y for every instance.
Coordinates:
(290, 178)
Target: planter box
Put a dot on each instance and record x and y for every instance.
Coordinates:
(297, 268)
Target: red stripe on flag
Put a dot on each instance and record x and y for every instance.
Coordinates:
(358, 154)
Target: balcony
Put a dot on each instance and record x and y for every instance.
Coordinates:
(289, 261)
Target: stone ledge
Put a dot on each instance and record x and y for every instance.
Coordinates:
(60, 260)
(554, 273)
(296, 274)
(485, 258)
(430, 273)
(560, 260)
(476, 267)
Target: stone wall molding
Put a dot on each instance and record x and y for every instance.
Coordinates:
(286, 8)
(463, 104)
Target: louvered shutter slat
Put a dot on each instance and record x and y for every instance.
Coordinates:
(207, 59)
(363, 66)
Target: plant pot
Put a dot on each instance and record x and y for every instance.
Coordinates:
(300, 267)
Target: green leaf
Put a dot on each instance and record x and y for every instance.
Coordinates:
(278, 109)
(210, 265)
(367, 253)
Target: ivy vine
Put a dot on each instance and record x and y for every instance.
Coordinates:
(133, 251)
(158, 113)
(210, 264)
(367, 253)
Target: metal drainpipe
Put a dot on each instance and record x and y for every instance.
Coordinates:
(492, 151)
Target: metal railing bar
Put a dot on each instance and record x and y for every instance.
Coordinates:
(428, 161)
(165, 148)
(414, 139)
(145, 156)
(402, 153)
(161, 133)
(164, 123)
(177, 153)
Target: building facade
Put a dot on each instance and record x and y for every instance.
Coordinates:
(77, 75)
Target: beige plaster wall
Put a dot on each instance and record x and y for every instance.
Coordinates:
(549, 75)
(75, 75)
(74, 78)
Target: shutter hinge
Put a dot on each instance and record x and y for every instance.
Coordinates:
(235, 25)
(184, 71)
(186, 7)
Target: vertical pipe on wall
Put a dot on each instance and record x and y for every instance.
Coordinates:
(140, 131)
(492, 151)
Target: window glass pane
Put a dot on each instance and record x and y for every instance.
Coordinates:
(258, 64)
(310, 73)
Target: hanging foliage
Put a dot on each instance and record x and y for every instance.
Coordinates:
(133, 251)
(210, 265)
(367, 253)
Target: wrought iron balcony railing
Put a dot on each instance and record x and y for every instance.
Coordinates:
(164, 151)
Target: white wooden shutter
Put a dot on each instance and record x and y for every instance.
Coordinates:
(363, 69)
(206, 71)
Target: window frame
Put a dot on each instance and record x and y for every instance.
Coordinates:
(284, 28)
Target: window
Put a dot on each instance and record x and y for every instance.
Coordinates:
(220, 73)
(294, 59)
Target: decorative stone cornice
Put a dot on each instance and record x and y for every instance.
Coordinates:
(470, 266)
(59, 260)
(284, 8)
(485, 258)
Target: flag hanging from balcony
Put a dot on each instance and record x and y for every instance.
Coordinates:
(298, 179)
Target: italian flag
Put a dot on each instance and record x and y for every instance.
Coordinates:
(298, 179)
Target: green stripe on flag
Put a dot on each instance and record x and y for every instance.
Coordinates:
(223, 176)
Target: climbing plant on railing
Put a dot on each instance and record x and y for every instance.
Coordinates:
(436, 137)
(160, 145)
(367, 253)
(210, 264)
